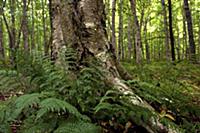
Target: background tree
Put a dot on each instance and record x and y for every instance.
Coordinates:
(190, 30)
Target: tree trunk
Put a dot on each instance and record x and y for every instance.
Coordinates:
(2, 54)
(45, 44)
(199, 40)
(25, 26)
(109, 26)
(184, 35)
(130, 45)
(12, 36)
(146, 42)
(166, 30)
(190, 30)
(83, 29)
(178, 44)
(171, 31)
(120, 41)
(138, 42)
(113, 24)
(32, 26)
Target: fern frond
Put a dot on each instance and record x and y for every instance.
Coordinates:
(57, 105)
(77, 126)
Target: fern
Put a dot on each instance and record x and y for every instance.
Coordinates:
(77, 126)
(56, 105)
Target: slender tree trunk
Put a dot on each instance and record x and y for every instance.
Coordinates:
(185, 37)
(199, 40)
(25, 31)
(166, 30)
(138, 42)
(190, 30)
(113, 24)
(130, 45)
(33, 25)
(178, 44)
(171, 31)
(146, 42)
(120, 41)
(2, 54)
(45, 44)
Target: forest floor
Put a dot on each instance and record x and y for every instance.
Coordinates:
(173, 89)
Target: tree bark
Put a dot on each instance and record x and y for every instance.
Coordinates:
(12, 30)
(171, 31)
(120, 41)
(45, 44)
(190, 31)
(185, 37)
(32, 26)
(113, 24)
(138, 42)
(166, 30)
(146, 41)
(25, 31)
(178, 44)
(2, 54)
(84, 21)
(130, 45)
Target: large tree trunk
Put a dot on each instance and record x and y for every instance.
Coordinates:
(81, 26)
(190, 30)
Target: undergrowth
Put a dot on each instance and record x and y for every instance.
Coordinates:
(39, 95)
(173, 89)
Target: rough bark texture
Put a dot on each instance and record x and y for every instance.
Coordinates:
(138, 42)
(166, 30)
(190, 30)
(83, 28)
(171, 31)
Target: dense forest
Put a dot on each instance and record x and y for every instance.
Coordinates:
(92, 66)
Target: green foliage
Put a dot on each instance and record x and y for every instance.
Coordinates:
(170, 89)
(58, 98)
(77, 126)
(45, 98)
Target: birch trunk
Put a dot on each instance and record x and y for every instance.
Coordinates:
(83, 29)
